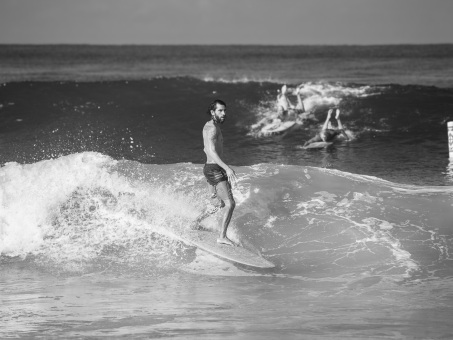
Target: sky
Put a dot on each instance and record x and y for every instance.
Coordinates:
(269, 22)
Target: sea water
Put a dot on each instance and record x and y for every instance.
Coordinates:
(101, 154)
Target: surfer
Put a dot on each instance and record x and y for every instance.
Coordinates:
(305, 110)
(219, 175)
(328, 133)
(284, 105)
(284, 109)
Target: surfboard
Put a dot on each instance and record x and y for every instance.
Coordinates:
(317, 145)
(207, 241)
(277, 128)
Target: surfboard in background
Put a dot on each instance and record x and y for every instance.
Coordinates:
(316, 145)
(277, 128)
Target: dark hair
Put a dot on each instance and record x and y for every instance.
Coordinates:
(213, 105)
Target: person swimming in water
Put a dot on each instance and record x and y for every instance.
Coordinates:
(328, 133)
(218, 174)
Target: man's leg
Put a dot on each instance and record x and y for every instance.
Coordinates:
(325, 126)
(340, 126)
(326, 123)
(212, 191)
(300, 103)
(224, 193)
(195, 225)
(337, 117)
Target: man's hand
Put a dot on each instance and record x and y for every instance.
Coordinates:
(232, 178)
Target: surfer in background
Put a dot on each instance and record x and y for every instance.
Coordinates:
(284, 110)
(219, 175)
(328, 133)
(304, 110)
(284, 105)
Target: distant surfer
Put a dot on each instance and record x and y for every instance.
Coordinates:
(328, 133)
(305, 110)
(284, 105)
(219, 175)
(284, 109)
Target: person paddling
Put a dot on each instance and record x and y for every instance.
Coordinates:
(328, 133)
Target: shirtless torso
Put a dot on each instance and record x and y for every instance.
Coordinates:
(212, 136)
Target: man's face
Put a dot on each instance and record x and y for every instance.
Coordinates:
(219, 114)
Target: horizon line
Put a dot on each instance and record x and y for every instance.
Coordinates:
(220, 44)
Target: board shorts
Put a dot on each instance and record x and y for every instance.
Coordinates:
(214, 173)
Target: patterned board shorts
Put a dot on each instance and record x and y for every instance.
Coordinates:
(214, 174)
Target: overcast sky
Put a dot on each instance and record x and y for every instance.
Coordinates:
(226, 21)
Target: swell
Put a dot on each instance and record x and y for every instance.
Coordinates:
(135, 119)
(399, 64)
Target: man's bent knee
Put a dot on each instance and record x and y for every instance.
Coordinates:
(230, 204)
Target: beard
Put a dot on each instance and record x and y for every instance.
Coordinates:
(218, 120)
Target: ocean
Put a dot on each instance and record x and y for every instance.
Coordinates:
(101, 157)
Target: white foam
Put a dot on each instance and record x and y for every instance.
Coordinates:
(29, 192)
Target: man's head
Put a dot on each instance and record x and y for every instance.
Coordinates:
(217, 111)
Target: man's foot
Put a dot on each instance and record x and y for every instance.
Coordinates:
(225, 240)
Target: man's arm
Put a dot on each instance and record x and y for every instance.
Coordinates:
(344, 134)
(313, 140)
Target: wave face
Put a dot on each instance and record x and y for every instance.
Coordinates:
(399, 132)
(87, 212)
